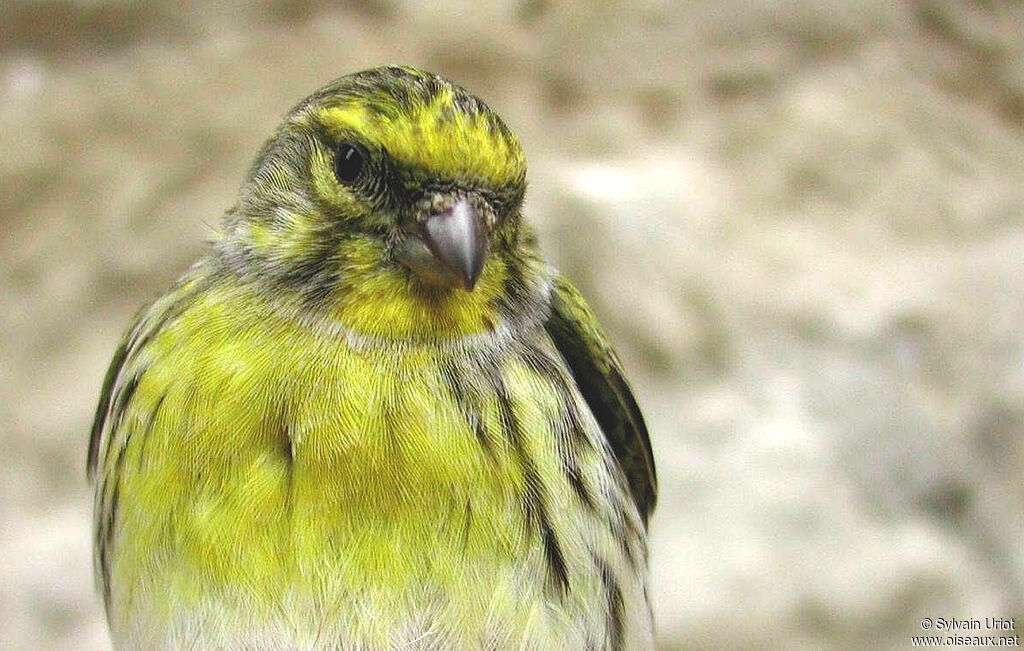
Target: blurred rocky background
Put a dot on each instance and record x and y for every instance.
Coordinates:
(802, 222)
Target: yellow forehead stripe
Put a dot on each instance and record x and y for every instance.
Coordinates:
(436, 137)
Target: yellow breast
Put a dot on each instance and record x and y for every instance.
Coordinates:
(284, 484)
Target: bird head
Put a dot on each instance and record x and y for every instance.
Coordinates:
(391, 198)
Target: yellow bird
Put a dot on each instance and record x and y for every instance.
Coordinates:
(372, 416)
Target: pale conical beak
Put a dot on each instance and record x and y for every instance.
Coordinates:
(457, 239)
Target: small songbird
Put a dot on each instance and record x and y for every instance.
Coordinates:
(372, 416)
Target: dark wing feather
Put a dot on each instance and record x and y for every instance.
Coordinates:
(108, 438)
(598, 373)
(103, 409)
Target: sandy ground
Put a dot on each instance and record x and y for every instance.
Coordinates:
(802, 221)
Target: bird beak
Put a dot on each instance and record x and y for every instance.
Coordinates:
(457, 238)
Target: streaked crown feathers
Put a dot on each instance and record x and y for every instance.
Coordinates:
(423, 122)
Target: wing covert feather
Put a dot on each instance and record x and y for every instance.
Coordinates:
(598, 373)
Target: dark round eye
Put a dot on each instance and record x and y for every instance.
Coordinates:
(348, 163)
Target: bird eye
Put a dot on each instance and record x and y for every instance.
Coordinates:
(349, 163)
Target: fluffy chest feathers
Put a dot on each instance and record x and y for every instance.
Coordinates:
(284, 486)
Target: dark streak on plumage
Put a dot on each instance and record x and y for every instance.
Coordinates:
(104, 540)
(534, 498)
(568, 446)
(572, 473)
(468, 404)
(542, 363)
(92, 458)
(624, 533)
(468, 525)
(613, 599)
(287, 449)
(514, 287)
(147, 428)
(288, 452)
(558, 578)
(123, 395)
